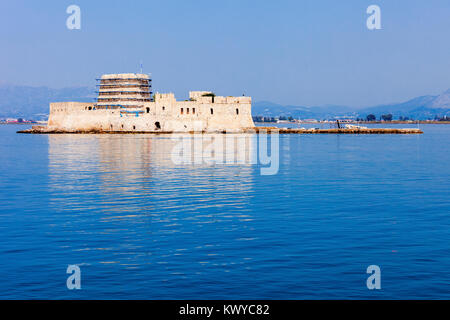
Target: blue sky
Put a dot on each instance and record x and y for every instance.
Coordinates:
(289, 52)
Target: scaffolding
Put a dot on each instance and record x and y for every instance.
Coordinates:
(130, 88)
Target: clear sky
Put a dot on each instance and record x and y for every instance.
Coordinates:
(290, 52)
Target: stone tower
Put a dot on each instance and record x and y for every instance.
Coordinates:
(125, 90)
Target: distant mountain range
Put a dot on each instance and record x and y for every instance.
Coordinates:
(421, 108)
(270, 109)
(33, 103)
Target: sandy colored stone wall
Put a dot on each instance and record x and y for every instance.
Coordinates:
(165, 114)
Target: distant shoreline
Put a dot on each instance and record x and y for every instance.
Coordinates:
(404, 122)
(19, 123)
(364, 122)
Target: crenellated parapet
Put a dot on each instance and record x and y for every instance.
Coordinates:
(125, 104)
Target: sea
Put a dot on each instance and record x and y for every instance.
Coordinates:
(128, 219)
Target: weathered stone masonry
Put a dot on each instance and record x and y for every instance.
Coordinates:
(124, 104)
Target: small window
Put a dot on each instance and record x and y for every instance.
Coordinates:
(212, 111)
(193, 110)
(164, 108)
(181, 110)
(148, 110)
(134, 127)
(237, 111)
(157, 125)
(187, 110)
(90, 108)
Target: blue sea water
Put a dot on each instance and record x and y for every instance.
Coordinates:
(141, 227)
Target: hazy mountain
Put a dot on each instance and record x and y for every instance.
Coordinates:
(33, 102)
(270, 109)
(442, 101)
(400, 108)
(424, 107)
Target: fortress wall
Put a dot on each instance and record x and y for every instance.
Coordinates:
(165, 112)
(62, 112)
(63, 107)
(77, 116)
(222, 117)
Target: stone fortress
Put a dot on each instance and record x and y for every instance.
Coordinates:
(125, 104)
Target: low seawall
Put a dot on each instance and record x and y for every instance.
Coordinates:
(341, 130)
(269, 130)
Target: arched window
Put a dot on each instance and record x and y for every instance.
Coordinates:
(237, 111)
(148, 110)
(212, 111)
(181, 110)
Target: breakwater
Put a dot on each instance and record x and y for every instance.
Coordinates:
(46, 130)
(340, 130)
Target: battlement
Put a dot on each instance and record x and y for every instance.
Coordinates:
(209, 97)
(160, 97)
(125, 103)
(194, 95)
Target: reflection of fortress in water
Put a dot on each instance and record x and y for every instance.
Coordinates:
(121, 199)
(137, 165)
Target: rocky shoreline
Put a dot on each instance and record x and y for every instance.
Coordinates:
(46, 130)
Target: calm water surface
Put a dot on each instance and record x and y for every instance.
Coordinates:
(142, 227)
